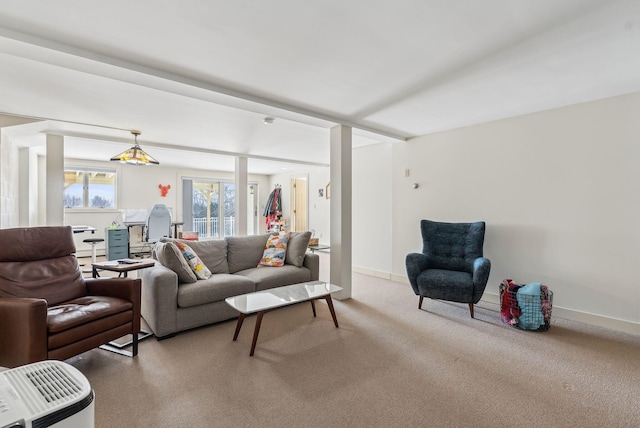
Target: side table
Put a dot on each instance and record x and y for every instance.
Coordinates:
(314, 248)
(123, 267)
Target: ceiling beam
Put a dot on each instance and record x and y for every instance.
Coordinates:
(189, 149)
(177, 79)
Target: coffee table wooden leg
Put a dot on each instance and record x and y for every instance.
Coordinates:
(333, 312)
(238, 326)
(256, 331)
(313, 307)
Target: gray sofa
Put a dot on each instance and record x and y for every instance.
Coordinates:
(174, 300)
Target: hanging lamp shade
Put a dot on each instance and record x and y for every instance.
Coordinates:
(135, 155)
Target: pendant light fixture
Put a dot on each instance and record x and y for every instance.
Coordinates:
(135, 155)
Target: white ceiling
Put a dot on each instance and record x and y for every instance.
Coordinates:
(202, 75)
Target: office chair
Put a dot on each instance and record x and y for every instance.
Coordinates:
(158, 226)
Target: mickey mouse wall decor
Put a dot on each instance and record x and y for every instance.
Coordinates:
(164, 189)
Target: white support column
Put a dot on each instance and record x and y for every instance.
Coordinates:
(24, 186)
(340, 210)
(34, 189)
(28, 187)
(55, 180)
(242, 183)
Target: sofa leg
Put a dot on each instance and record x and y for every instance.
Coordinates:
(471, 309)
(420, 302)
(168, 336)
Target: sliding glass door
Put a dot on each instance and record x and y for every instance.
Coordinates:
(206, 211)
(211, 204)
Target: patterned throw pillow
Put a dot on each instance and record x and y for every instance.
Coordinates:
(275, 251)
(170, 256)
(201, 271)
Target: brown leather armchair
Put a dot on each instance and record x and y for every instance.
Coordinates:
(47, 309)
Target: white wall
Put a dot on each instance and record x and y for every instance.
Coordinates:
(9, 173)
(319, 207)
(372, 201)
(560, 192)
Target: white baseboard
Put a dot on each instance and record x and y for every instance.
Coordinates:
(371, 272)
(560, 312)
(399, 278)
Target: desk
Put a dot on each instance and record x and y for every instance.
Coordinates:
(82, 229)
(142, 224)
(174, 224)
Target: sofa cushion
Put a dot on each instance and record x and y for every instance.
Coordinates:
(194, 262)
(269, 277)
(212, 252)
(83, 311)
(275, 251)
(244, 252)
(297, 248)
(170, 256)
(217, 287)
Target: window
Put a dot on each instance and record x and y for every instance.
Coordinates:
(89, 188)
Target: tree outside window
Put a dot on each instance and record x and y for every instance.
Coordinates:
(89, 188)
(214, 208)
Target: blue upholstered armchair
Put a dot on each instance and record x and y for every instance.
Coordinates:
(451, 266)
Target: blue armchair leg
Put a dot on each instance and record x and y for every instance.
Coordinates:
(471, 309)
(420, 303)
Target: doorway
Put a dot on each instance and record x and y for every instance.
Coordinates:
(299, 202)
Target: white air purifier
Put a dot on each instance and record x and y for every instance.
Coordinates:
(45, 394)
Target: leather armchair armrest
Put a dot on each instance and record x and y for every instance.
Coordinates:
(415, 263)
(481, 270)
(23, 336)
(125, 288)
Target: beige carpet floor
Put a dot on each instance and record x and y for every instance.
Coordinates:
(388, 365)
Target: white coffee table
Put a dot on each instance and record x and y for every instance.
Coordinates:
(268, 300)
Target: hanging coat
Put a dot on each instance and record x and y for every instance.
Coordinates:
(273, 206)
